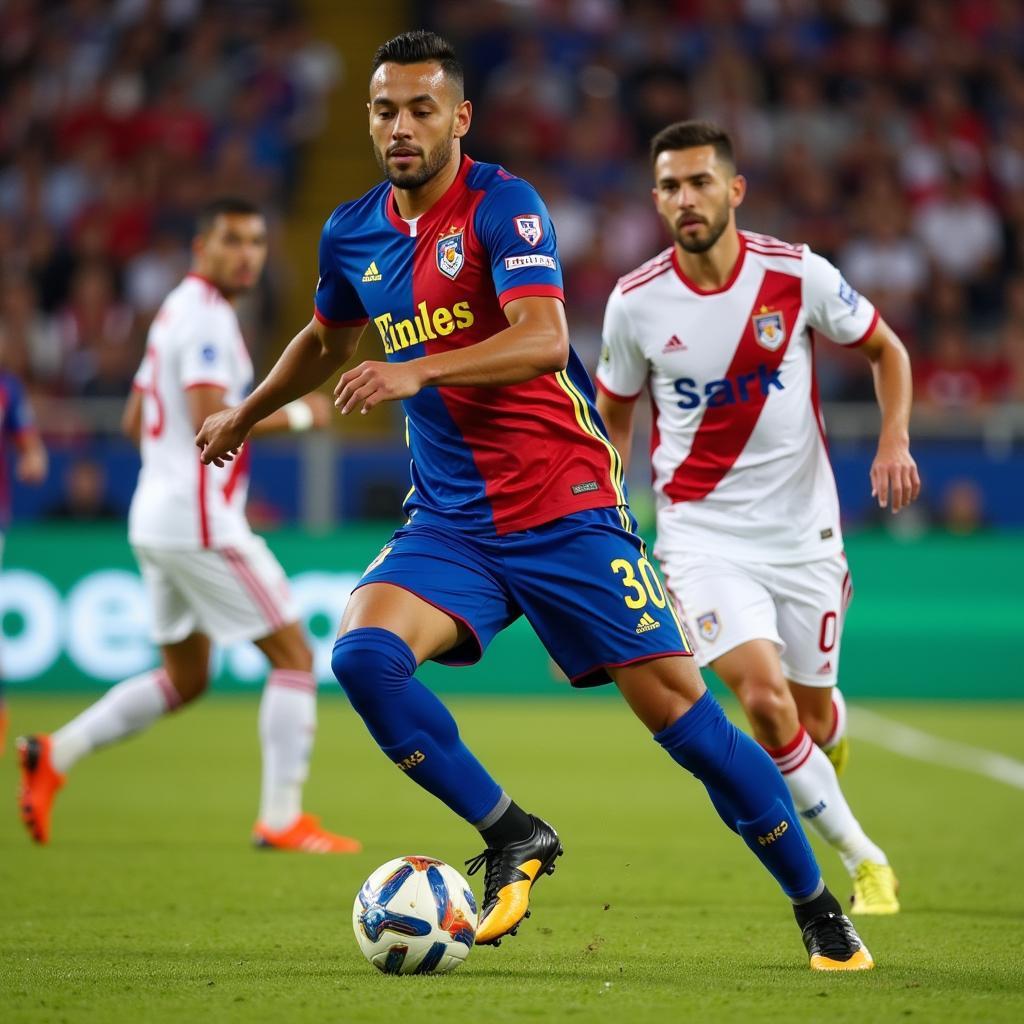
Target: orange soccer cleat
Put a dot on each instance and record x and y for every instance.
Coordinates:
(40, 782)
(304, 835)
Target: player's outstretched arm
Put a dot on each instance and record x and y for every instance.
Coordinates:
(535, 343)
(311, 357)
(893, 472)
(618, 418)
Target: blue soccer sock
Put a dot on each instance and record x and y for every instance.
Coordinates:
(747, 791)
(413, 728)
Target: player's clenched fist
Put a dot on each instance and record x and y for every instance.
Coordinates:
(371, 383)
(220, 437)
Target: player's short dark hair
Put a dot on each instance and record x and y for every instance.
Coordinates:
(210, 211)
(418, 47)
(689, 134)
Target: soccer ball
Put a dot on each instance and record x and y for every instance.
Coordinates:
(415, 915)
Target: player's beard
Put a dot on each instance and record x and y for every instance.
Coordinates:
(432, 163)
(701, 243)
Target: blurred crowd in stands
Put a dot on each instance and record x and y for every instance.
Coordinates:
(118, 119)
(887, 135)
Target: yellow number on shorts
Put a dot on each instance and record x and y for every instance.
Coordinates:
(650, 588)
(652, 583)
(630, 581)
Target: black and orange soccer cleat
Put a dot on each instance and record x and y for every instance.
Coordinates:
(40, 783)
(510, 874)
(832, 943)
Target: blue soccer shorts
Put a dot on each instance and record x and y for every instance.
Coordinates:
(583, 582)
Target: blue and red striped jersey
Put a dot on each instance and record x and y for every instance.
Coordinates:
(495, 459)
(15, 420)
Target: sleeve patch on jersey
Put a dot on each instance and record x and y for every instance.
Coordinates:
(209, 354)
(529, 228)
(534, 259)
(848, 295)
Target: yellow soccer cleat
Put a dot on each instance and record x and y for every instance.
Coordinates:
(510, 875)
(833, 944)
(839, 755)
(874, 889)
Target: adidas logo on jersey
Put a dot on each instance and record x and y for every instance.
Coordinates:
(372, 273)
(674, 344)
(826, 669)
(646, 623)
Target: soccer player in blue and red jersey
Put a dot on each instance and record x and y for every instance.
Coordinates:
(17, 427)
(517, 504)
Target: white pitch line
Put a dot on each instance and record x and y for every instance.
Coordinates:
(923, 746)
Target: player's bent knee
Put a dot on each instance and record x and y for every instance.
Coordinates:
(372, 665)
(764, 702)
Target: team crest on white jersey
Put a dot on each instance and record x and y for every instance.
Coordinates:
(450, 254)
(769, 328)
(529, 228)
(709, 626)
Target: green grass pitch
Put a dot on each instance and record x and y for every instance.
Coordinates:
(149, 905)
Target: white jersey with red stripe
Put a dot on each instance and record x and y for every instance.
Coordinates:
(195, 340)
(738, 450)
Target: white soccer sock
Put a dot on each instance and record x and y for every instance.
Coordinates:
(125, 709)
(819, 801)
(287, 726)
(838, 720)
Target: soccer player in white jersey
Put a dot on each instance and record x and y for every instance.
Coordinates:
(720, 328)
(209, 577)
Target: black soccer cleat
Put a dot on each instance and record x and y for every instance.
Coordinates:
(832, 944)
(510, 874)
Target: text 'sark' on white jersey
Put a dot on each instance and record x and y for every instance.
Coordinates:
(195, 340)
(738, 445)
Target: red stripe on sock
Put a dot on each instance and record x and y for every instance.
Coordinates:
(293, 680)
(776, 752)
(171, 696)
(789, 769)
(790, 757)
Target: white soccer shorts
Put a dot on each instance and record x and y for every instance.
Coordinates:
(230, 594)
(799, 608)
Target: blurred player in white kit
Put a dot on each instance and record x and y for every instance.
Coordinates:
(209, 577)
(719, 328)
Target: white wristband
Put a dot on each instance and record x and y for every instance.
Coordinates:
(300, 416)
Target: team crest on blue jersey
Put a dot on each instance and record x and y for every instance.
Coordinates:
(709, 626)
(529, 228)
(769, 328)
(450, 254)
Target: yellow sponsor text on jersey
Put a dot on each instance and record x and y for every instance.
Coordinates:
(426, 325)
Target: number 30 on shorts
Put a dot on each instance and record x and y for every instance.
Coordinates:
(647, 587)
